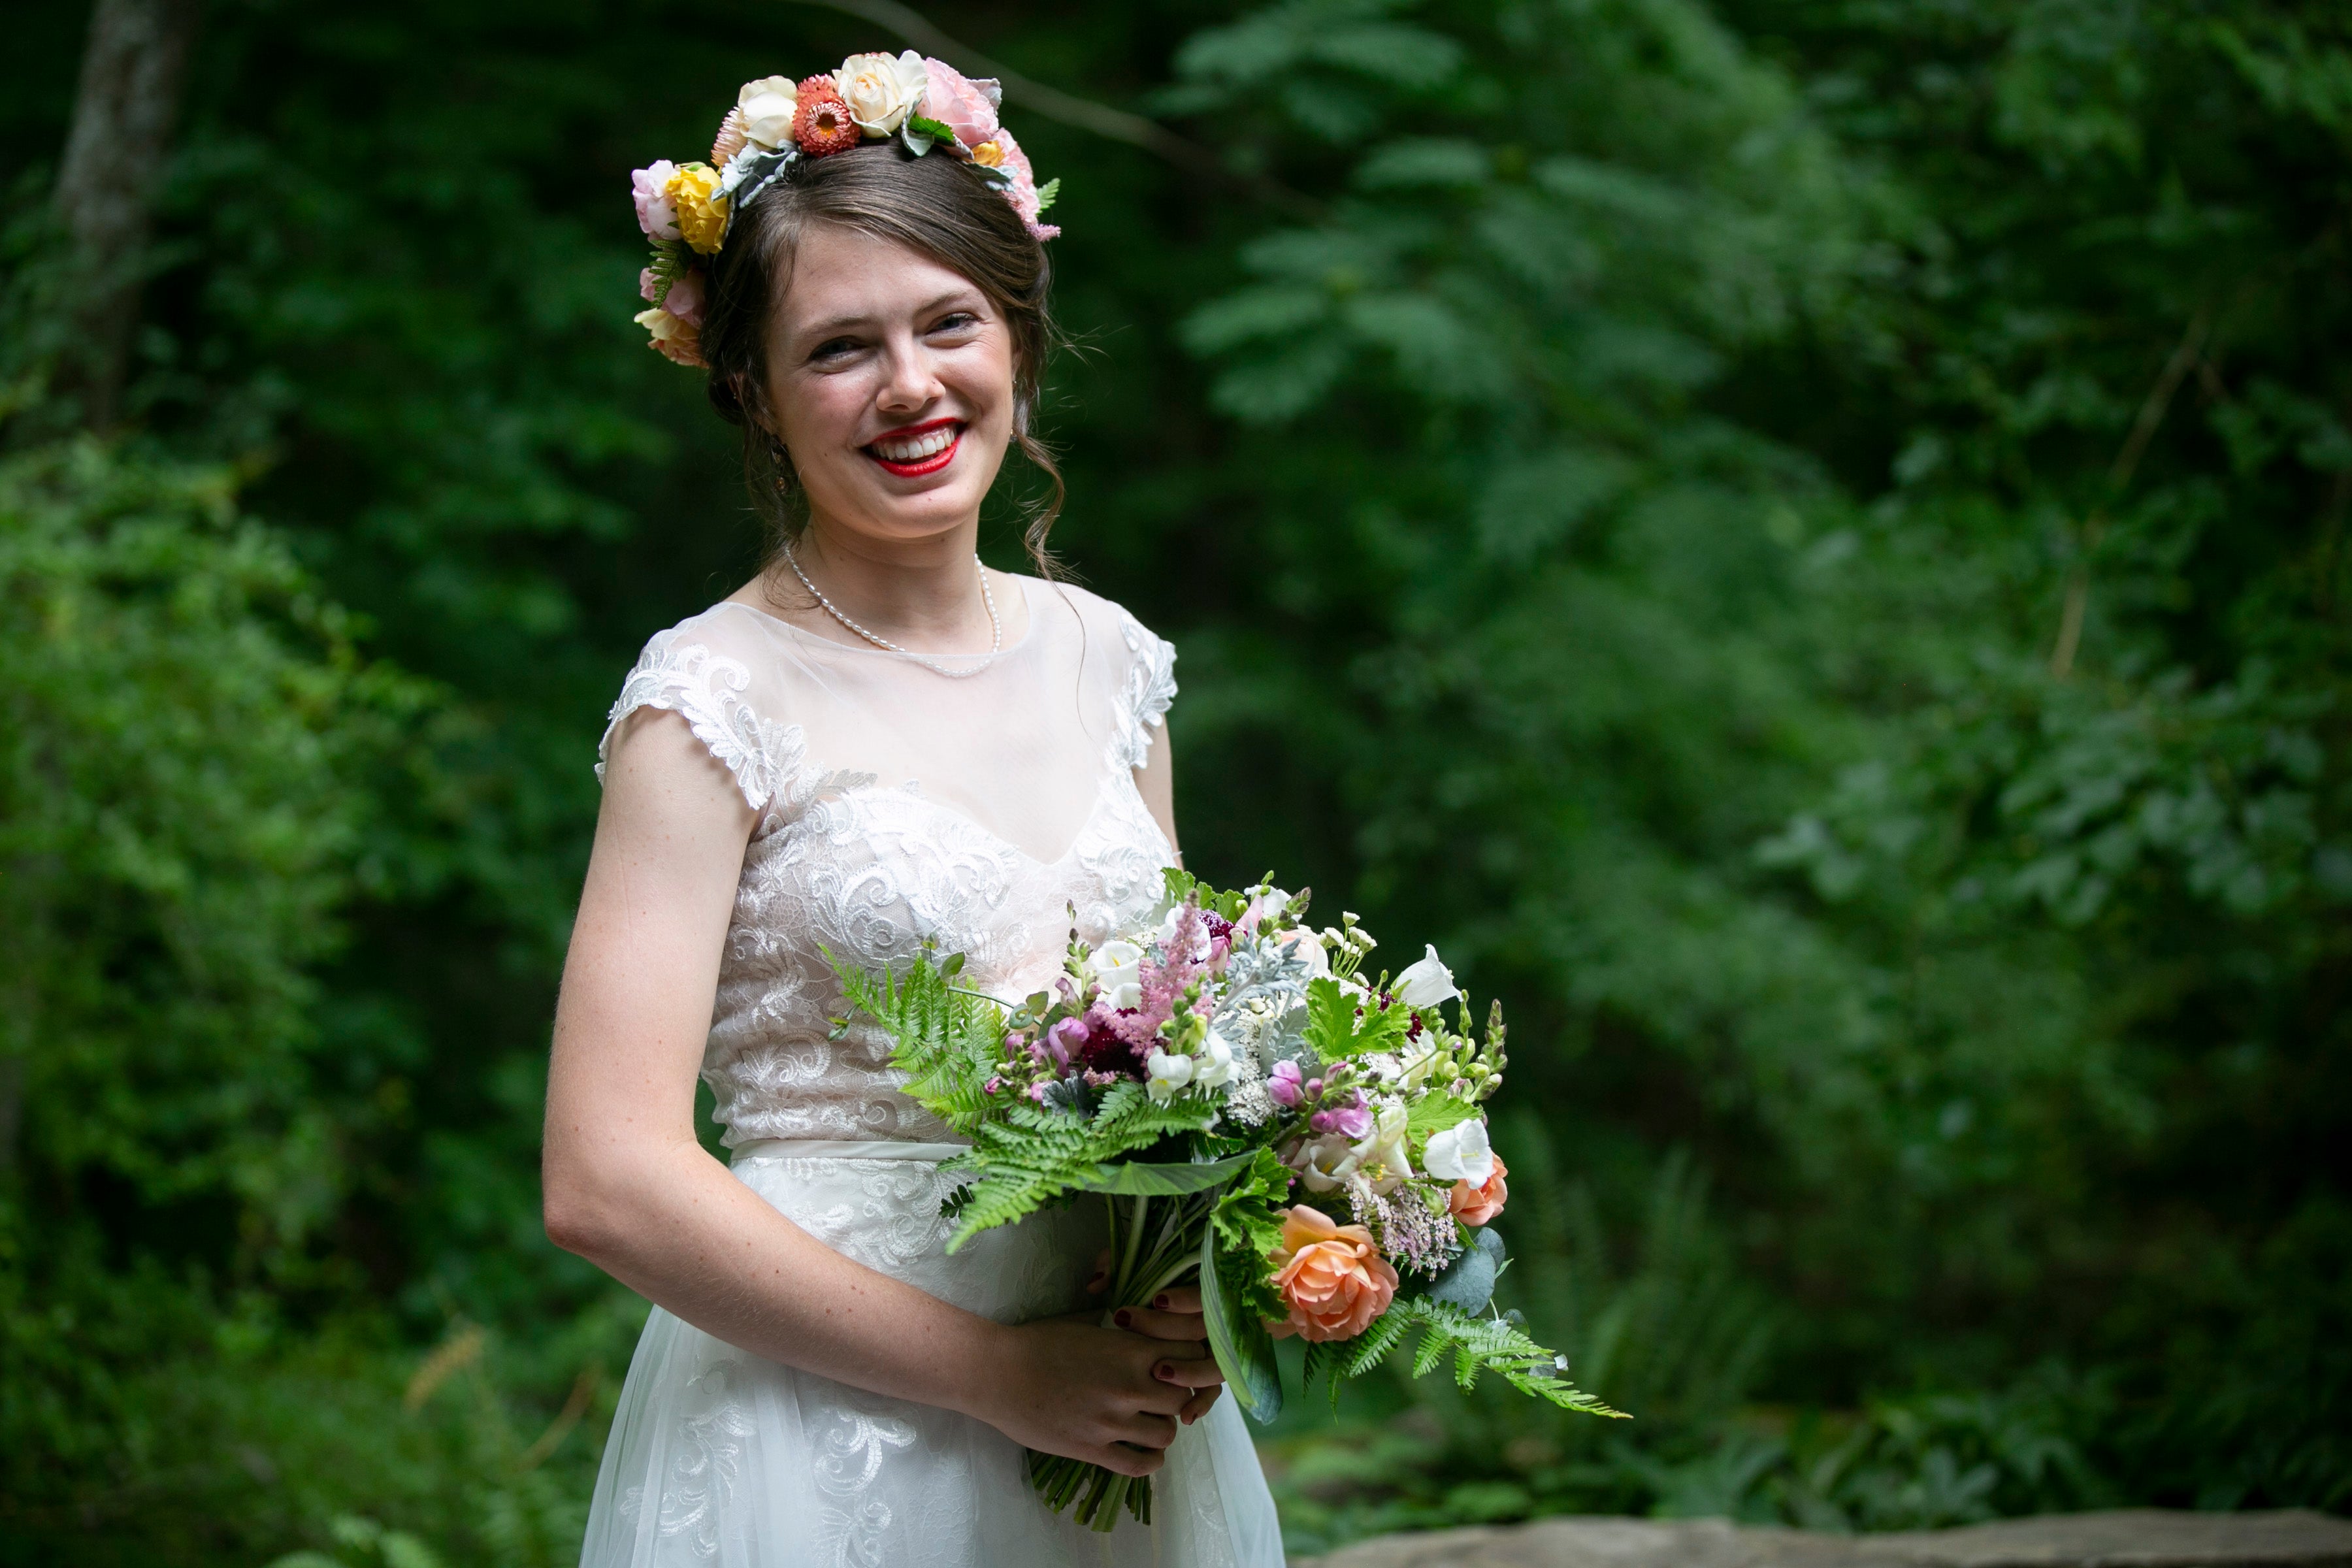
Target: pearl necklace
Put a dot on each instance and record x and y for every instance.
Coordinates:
(996, 626)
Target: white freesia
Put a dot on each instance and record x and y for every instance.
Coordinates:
(1461, 1154)
(768, 106)
(1119, 970)
(881, 91)
(1170, 1074)
(1425, 982)
(1380, 1155)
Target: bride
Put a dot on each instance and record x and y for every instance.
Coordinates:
(874, 744)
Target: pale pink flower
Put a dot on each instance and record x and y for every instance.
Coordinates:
(650, 187)
(964, 106)
(684, 300)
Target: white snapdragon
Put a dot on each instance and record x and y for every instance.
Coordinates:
(1214, 1067)
(1425, 982)
(1461, 1154)
(1170, 1074)
(1118, 968)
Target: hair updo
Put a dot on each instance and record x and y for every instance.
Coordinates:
(932, 205)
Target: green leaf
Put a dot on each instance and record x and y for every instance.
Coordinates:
(1237, 1335)
(1137, 1179)
(1435, 1112)
(1336, 1032)
(936, 129)
(1468, 1282)
(1048, 192)
(1330, 1019)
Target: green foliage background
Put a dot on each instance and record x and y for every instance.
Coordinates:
(1802, 543)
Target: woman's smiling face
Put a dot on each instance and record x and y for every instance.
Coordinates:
(891, 376)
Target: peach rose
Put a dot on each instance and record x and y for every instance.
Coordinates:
(1476, 1206)
(1332, 1276)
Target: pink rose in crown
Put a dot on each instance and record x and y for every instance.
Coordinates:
(684, 300)
(964, 106)
(656, 215)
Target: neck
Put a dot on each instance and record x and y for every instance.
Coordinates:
(923, 595)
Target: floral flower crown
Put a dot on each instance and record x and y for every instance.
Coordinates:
(686, 209)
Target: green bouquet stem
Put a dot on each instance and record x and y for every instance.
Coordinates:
(1155, 1243)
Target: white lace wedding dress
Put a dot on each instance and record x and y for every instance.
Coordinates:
(895, 806)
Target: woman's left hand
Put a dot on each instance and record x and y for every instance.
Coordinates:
(1174, 1315)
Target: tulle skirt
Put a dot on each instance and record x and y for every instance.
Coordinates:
(719, 1456)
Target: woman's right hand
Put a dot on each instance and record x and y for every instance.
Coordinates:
(1067, 1386)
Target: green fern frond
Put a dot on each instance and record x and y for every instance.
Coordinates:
(945, 1039)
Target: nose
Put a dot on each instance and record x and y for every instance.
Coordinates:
(910, 382)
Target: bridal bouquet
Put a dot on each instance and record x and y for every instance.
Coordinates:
(1306, 1142)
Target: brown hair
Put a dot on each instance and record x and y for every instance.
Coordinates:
(930, 204)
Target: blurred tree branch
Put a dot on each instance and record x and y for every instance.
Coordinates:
(1085, 114)
(133, 71)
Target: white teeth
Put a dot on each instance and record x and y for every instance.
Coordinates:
(915, 451)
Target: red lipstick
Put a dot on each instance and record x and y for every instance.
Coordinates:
(929, 462)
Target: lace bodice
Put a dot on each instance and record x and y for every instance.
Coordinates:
(895, 806)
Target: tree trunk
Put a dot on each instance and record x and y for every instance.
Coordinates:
(131, 73)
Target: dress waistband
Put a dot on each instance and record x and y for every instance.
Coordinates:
(844, 1149)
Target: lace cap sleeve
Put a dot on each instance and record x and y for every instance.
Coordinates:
(706, 690)
(1144, 697)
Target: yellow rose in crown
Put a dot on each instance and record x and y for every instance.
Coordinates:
(693, 191)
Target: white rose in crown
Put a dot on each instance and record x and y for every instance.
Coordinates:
(1460, 1153)
(1425, 982)
(1119, 970)
(881, 91)
(768, 106)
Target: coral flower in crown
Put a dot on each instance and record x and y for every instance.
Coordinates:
(687, 209)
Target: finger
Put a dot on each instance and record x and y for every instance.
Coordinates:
(1148, 1429)
(1099, 1280)
(1188, 1374)
(1198, 1406)
(1122, 1459)
(1179, 1299)
(1159, 1325)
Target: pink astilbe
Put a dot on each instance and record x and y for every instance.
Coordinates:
(1167, 973)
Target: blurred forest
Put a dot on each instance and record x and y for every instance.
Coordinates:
(1802, 541)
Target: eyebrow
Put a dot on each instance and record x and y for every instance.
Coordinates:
(839, 323)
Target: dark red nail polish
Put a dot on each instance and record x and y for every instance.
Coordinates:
(1161, 1299)
(1122, 1317)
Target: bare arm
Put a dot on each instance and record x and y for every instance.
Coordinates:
(628, 1186)
(1157, 781)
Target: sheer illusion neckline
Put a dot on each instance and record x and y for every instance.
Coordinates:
(1111, 777)
(981, 661)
